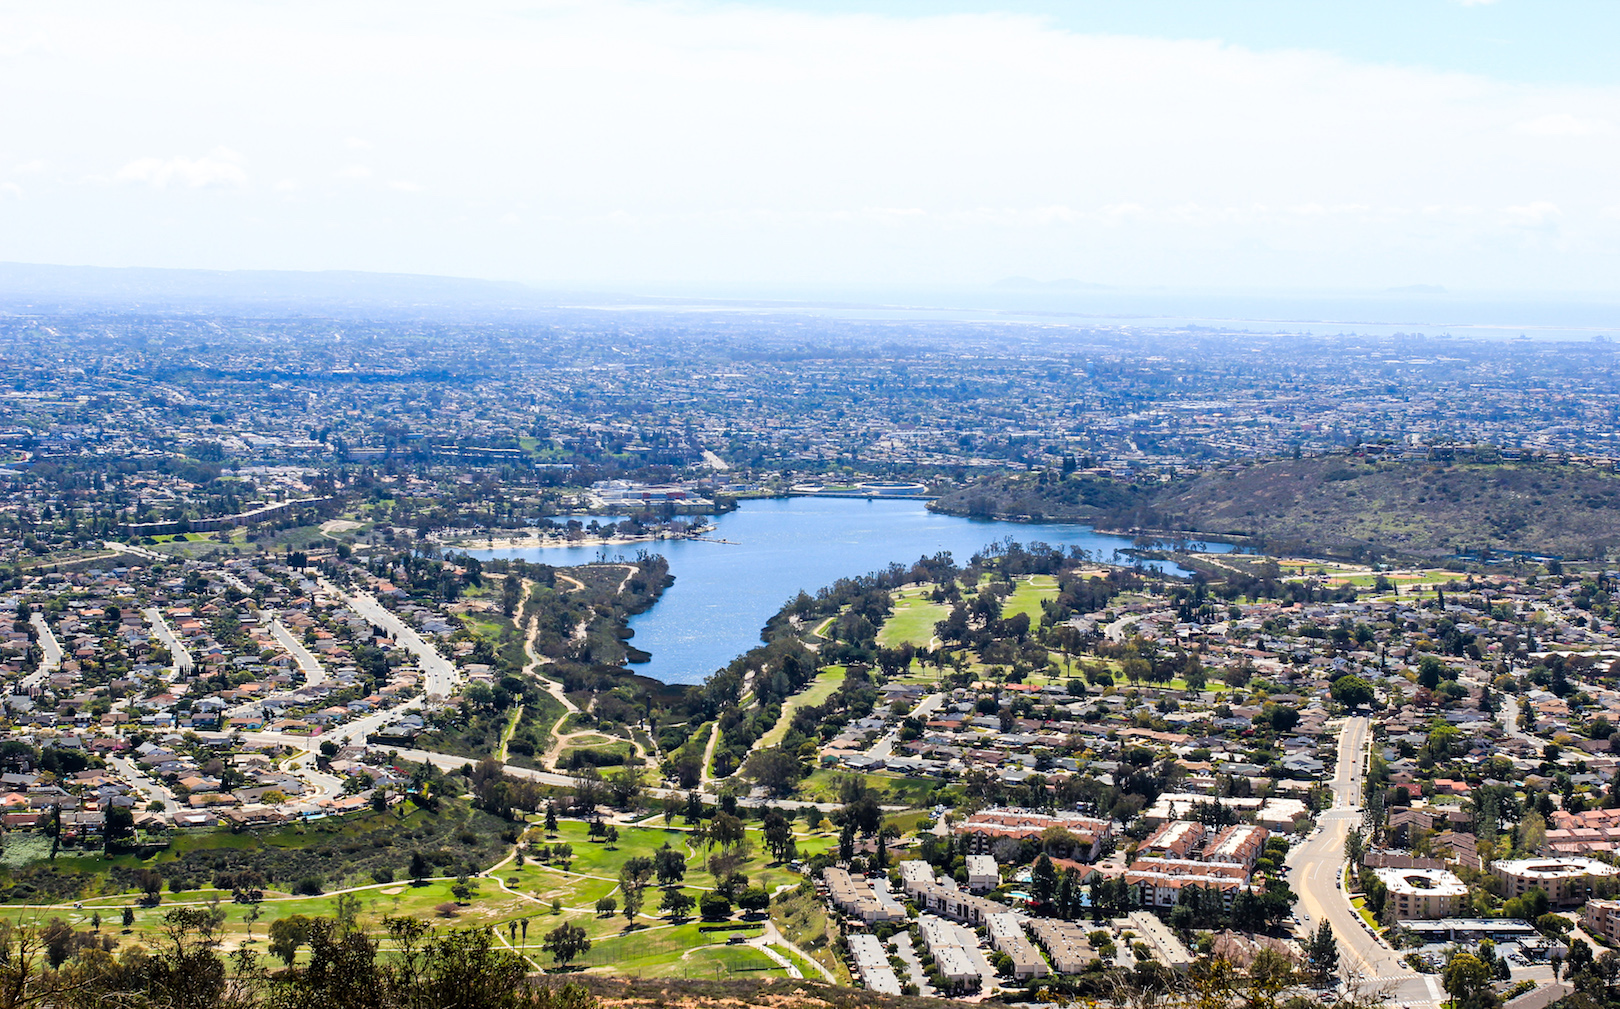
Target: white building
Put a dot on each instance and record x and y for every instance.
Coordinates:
(1007, 936)
(872, 964)
(1567, 880)
(1424, 893)
(983, 874)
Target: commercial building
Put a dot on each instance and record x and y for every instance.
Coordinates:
(1567, 881)
(1424, 893)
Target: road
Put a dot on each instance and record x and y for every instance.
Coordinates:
(1317, 865)
(883, 749)
(1510, 721)
(148, 786)
(48, 644)
(314, 672)
(438, 672)
(160, 628)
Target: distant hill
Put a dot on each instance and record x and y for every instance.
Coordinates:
(1339, 506)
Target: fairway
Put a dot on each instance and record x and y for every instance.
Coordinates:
(820, 688)
(1027, 596)
(912, 621)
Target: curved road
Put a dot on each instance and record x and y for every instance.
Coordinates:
(1317, 865)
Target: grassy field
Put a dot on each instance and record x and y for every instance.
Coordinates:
(1028, 594)
(821, 688)
(651, 947)
(912, 620)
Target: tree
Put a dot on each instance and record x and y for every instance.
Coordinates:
(1322, 954)
(1468, 981)
(755, 899)
(775, 768)
(714, 907)
(128, 916)
(778, 831)
(606, 906)
(566, 942)
(675, 902)
(421, 868)
(551, 817)
(1352, 691)
(287, 935)
(727, 830)
(670, 865)
(120, 827)
(1043, 881)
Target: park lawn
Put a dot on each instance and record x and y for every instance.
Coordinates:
(1027, 596)
(548, 882)
(682, 950)
(912, 620)
(824, 785)
(798, 961)
(621, 747)
(376, 901)
(819, 689)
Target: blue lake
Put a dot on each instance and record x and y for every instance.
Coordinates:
(724, 592)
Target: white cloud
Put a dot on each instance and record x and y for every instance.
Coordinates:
(1534, 215)
(11, 189)
(702, 139)
(219, 167)
(1562, 124)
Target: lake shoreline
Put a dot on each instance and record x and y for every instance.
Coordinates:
(723, 595)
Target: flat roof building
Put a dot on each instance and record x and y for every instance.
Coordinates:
(1424, 893)
(1567, 880)
(855, 897)
(872, 964)
(982, 872)
(1066, 943)
(1007, 936)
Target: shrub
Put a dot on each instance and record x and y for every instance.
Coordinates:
(446, 910)
(312, 886)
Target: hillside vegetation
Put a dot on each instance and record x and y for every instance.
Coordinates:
(1336, 505)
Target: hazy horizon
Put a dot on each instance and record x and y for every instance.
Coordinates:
(639, 145)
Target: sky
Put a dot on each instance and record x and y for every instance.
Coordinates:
(613, 143)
